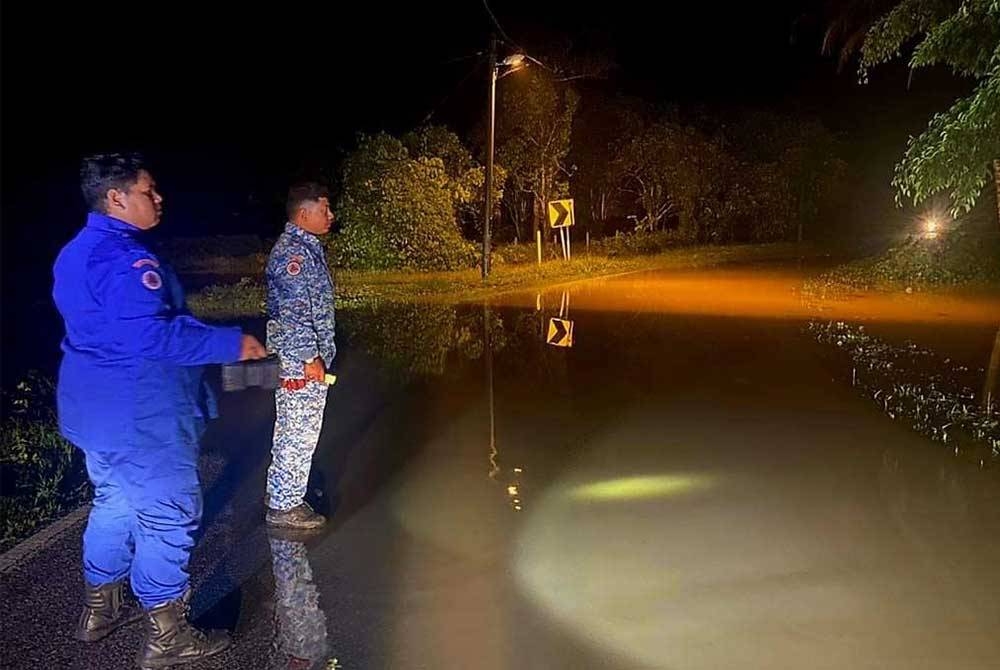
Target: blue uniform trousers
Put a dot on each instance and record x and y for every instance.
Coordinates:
(147, 507)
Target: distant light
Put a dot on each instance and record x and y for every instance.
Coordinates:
(931, 225)
(516, 60)
(635, 488)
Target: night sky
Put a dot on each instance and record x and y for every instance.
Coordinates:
(235, 101)
(231, 103)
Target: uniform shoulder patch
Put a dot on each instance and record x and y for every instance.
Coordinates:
(151, 279)
(144, 262)
(294, 267)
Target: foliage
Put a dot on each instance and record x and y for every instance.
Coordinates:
(466, 178)
(961, 257)
(651, 167)
(602, 128)
(638, 243)
(433, 333)
(397, 211)
(247, 298)
(802, 154)
(751, 181)
(42, 473)
(534, 127)
(954, 154)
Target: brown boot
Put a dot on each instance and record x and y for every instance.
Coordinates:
(172, 640)
(300, 517)
(103, 611)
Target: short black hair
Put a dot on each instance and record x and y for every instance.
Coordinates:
(304, 191)
(100, 173)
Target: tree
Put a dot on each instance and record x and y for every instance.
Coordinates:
(845, 24)
(803, 151)
(601, 130)
(466, 178)
(955, 153)
(397, 211)
(721, 190)
(711, 186)
(670, 169)
(647, 168)
(534, 124)
(767, 207)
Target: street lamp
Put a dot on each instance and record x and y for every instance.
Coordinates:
(931, 225)
(514, 62)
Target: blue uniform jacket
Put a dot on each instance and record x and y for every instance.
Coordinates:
(131, 375)
(300, 302)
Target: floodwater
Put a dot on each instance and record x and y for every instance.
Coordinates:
(694, 483)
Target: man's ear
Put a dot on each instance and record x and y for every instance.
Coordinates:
(114, 200)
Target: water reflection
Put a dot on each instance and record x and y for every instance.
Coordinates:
(300, 623)
(411, 340)
(990, 385)
(433, 340)
(935, 395)
(560, 330)
(767, 293)
(509, 477)
(942, 506)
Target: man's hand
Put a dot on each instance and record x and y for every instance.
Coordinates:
(315, 371)
(293, 384)
(251, 348)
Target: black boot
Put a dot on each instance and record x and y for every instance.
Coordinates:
(103, 611)
(172, 640)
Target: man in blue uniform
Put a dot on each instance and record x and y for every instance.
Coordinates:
(301, 330)
(132, 397)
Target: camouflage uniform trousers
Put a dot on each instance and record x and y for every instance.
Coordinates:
(301, 623)
(297, 425)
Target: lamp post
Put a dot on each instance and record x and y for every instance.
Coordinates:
(514, 62)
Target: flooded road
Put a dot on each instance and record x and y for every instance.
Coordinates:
(693, 483)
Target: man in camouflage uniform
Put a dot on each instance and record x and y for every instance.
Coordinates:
(300, 307)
